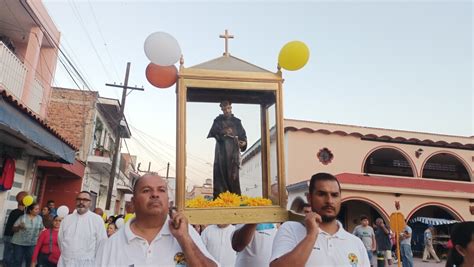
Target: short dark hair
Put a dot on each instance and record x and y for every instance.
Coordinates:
(322, 176)
(134, 187)
(462, 234)
(363, 217)
(305, 205)
(113, 223)
(225, 103)
(50, 201)
(31, 207)
(85, 192)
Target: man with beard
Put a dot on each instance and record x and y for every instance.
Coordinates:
(80, 234)
(230, 140)
(320, 240)
(155, 237)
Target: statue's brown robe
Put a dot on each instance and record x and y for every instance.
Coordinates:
(227, 132)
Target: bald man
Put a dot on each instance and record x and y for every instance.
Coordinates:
(155, 237)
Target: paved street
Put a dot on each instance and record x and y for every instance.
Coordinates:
(420, 263)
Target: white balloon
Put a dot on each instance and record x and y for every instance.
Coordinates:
(162, 49)
(119, 222)
(62, 211)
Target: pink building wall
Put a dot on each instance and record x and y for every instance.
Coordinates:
(305, 139)
(39, 53)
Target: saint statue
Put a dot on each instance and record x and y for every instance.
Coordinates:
(230, 141)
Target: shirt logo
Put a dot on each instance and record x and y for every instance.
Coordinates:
(179, 259)
(353, 260)
(264, 233)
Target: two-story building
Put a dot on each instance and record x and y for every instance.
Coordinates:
(91, 123)
(29, 44)
(430, 175)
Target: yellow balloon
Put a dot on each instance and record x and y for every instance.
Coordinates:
(128, 216)
(104, 216)
(28, 200)
(293, 56)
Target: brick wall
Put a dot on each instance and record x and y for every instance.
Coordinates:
(71, 113)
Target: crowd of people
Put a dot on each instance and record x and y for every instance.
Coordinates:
(161, 236)
(40, 237)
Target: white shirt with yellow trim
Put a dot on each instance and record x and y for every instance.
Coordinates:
(340, 249)
(124, 248)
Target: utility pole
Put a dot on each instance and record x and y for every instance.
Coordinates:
(125, 87)
(167, 171)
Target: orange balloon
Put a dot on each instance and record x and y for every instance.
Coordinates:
(161, 77)
(20, 196)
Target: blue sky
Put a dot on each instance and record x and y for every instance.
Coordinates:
(399, 65)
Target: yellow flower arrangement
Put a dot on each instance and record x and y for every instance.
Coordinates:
(258, 201)
(227, 199)
(198, 202)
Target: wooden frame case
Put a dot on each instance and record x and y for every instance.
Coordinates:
(197, 84)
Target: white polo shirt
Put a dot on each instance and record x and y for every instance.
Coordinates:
(124, 248)
(218, 242)
(259, 250)
(340, 249)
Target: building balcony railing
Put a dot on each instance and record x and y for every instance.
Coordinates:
(12, 72)
(35, 98)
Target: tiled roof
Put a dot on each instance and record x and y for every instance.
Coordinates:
(382, 135)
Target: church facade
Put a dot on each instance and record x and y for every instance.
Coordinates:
(429, 175)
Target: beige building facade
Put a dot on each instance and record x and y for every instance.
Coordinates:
(430, 175)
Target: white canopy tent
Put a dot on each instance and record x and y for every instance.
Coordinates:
(433, 221)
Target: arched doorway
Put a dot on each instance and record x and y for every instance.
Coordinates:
(446, 167)
(352, 209)
(441, 217)
(388, 161)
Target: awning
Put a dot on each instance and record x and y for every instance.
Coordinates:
(21, 128)
(75, 170)
(125, 189)
(433, 221)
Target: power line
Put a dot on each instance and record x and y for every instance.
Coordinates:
(81, 22)
(173, 148)
(63, 56)
(103, 39)
(193, 170)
